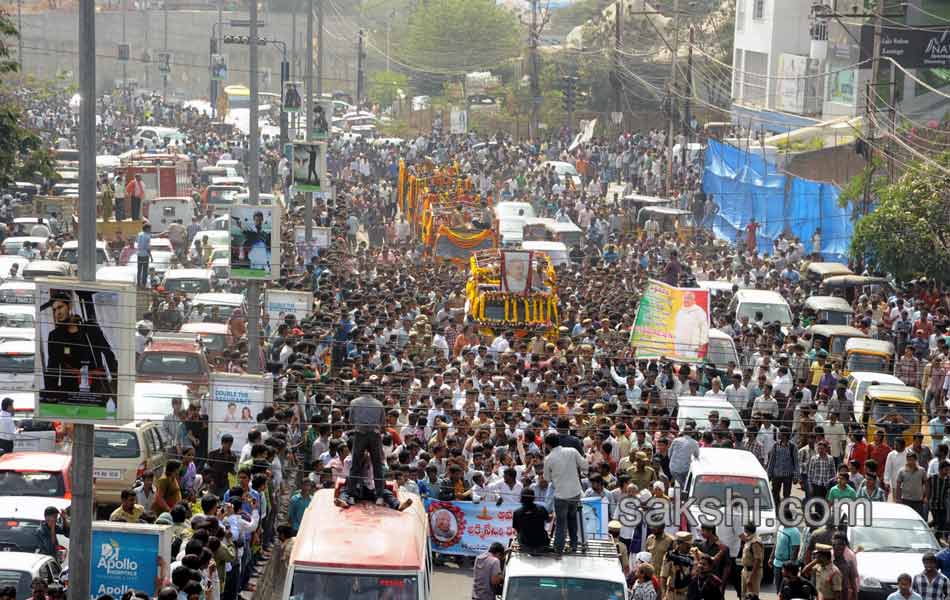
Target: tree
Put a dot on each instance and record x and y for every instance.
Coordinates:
(21, 152)
(908, 234)
(384, 85)
(454, 37)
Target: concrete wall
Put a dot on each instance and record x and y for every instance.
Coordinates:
(50, 46)
(837, 165)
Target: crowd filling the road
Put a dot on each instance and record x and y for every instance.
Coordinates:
(387, 378)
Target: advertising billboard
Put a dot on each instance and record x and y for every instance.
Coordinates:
(84, 359)
(310, 166)
(279, 303)
(672, 323)
(124, 558)
(255, 242)
(235, 402)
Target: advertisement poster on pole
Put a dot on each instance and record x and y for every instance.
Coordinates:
(255, 242)
(458, 121)
(292, 101)
(124, 557)
(219, 67)
(672, 322)
(236, 401)
(320, 239)
(84, 362)
(309, 166)
(280, 303)
(322, 120)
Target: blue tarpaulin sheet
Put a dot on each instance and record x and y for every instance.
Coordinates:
(745, 186)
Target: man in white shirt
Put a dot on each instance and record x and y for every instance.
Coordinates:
(562, 467)
(7, 426)
(506, 491)
(736, 393)
(896, 460)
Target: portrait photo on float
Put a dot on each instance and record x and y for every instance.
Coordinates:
(78, 333)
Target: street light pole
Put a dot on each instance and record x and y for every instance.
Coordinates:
(19, 29)
(84, 434)
(254, 188)
(308, 206)
(165, 47)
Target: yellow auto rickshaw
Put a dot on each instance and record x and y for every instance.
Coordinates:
(832, 338)
(868, 355)
(897, 409)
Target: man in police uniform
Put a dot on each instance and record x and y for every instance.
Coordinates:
(753, 553)
(677, 567)
(659, 543)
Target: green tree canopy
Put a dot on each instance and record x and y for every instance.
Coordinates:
(908, 234)
(21, 151)
(383, 86)
(454, 37)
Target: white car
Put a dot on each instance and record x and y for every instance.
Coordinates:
(70, 253)
(117, 274)
(17, 291)
(563, 171)
(188, 281)
(17, 322)
(162, 254)
(214, 307)
(7, 263)
(17, 364)
(153, 399)
(21, 568)
(894, 542)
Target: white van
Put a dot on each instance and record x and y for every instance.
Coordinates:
(70, 253)
(165, 210)
(722, 349)
(718, 470)
(557, 251)
(772, 305)
(595, 574)
(510, 218)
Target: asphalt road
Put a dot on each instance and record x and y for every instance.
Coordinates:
(456, 584)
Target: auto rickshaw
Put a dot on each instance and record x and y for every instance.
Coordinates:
(827, 310)
(817, 272)
(870, 355)
(671, 220)
(897, 409)
(833, 338)
(850, 286)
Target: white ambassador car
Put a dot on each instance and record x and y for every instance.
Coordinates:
(894, 543)
(162, 254)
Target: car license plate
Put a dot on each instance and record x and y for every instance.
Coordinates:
(107, 474)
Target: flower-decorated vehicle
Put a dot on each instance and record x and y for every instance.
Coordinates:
(512, 290)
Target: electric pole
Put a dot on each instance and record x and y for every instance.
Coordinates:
(618, 16)
(535, 84)
(687, 103)
(165, 47)
(19, 29)
(871, 101)
(84, 434)
(125, 77)
(308, 207)
(254, 189)
(319, 49)
(675, 51)
(147, 55)
(360, 55)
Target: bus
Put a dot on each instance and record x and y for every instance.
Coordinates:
(364, 551)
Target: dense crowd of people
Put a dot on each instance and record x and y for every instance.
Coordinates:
(540, 421)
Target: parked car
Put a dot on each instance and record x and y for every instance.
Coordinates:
(123, 453)
(21, 568)
(44, 474)
(20, 520)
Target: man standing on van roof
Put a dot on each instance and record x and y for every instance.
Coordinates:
(368, 416)
(562, 467)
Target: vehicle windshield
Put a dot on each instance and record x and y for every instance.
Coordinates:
(71, 255)
(720, 352)
(239, 102)
(867, 362)
(152, 404)
(900, 413)
(16, 320)
(699, 414)
(164, 363)
(770, 312)
(346, 586)
(562, 588)
(17, 296)
(213, 342)
(19, 535)
(715, 486)
(221, 197)
(893, 535)
(116, 444)
(21, 580)
(188, 286)
(32, 483)
(835, 317)
(16, 363)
